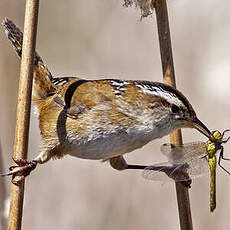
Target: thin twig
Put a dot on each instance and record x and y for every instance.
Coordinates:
(23, 108)
(169, 78)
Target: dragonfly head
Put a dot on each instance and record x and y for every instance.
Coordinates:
(215, 142)
(217, 137)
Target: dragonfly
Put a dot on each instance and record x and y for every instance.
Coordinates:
(191, 160)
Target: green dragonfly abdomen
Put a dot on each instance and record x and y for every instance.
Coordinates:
(212, 166)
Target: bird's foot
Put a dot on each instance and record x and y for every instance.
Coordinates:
(21, 170)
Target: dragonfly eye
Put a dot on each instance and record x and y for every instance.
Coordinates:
(217, 135)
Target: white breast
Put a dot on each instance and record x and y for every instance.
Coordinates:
(105, 146)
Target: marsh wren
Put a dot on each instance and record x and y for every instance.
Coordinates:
(99, 119)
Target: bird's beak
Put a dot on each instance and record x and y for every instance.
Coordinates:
(197, 124)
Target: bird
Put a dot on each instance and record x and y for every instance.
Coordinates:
(99, 119)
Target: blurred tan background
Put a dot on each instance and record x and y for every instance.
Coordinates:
(101, 39)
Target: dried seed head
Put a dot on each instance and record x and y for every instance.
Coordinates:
(146, 6)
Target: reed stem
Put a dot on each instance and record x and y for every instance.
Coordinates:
(23, 108)
(169, 78)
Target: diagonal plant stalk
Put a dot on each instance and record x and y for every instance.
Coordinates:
(23, 108)
(169, 78)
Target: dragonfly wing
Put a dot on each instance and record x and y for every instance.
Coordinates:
(164, 171)
(198, 167)
(183, 153)
(169, 172)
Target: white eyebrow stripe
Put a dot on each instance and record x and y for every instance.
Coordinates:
(159, 92)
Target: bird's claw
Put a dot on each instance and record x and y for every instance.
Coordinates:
(21, 170)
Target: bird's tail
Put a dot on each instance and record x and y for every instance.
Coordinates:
(42, 83)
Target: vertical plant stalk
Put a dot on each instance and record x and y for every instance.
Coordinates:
(3, 195)
(169, 78)
(23, 108)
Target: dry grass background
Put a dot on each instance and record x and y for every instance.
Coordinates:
(102, 39)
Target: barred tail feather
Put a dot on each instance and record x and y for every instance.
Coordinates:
(42, 84)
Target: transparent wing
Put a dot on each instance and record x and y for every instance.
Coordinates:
(183, 153)
(170, 172)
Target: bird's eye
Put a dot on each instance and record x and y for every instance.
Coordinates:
(175, 109)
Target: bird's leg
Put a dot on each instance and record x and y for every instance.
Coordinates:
(174, 172)
(19, 171)
(119, 163)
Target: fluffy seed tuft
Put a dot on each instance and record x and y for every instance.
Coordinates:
(146, 6)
